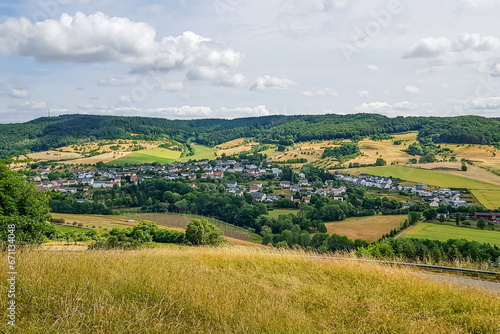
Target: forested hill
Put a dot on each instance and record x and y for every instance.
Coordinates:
(53, 132)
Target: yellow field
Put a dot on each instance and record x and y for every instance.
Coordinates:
(370, 228)
(53, 155)
(231, 143)
(235, 290)
(455, 168)
(490, 199)
(385, 149)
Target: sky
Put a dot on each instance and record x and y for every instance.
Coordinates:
(190, 59)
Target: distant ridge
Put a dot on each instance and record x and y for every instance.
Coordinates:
(52, 132)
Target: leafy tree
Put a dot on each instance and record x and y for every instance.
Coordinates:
(464, 168)
(23, 207)
(201, 232)
(430, 214)
(380, 162)
(481, 223)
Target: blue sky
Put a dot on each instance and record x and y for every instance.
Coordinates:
(238, 58)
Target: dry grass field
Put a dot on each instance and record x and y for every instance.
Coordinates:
(234, 290)
(53, 155)
(370, 228)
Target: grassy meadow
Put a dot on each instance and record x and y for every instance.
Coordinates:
(161, 155)
(235, 290)
(278, 212)
(446, 232)
(490, 199)
(370, 228)
(201, 152)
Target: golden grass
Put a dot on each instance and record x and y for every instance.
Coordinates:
(370, 228)
(53, 155)
(235, 290)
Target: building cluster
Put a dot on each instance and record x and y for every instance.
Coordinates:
(435, 198)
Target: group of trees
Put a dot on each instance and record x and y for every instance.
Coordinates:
(198, 232)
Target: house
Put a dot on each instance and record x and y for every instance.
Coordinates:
(303, 183)
(284, 184)
(421, 186)
(294, 188)
(290, 197)
(258, 184)
(258, 197)
(270, 198)
(307, 199)
(341, 199)
(302, 175)
(408, 205)
(254, 189)
(232, 183)
(218, 175)
(434, 204)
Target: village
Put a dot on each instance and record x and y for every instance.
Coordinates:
(254, 177)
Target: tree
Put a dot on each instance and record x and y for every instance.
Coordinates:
(430, 214)
(23, 207)
(380, 162)
(464, 168)
(481, 223)
(201, 232)
(457, 218)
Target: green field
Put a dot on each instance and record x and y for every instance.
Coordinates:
(66, 228)
(160, 155)
(277, 212)
(490, 199)
(429, 177)
(446, 232)
(201, 152)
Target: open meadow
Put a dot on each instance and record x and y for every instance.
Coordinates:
(370, 228)
(278, 212)
(160, 155)
(235, 290)
(446, 232)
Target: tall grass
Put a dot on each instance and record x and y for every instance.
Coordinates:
(234, 290)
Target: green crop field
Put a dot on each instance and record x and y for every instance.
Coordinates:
(446, 232)
(489, 198)
(67, 228)
(277, 212)
(201, 152)
(161, 155)
(429, 177)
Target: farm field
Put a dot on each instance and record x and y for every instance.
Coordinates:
(53, 155)
(201, 152)
(429, 177)
(489, 198)
(67, 228)
(370, 228)
(160, 155)
(236, 290)
(454, 168)
(373, 149)
(446, 232)
(277, 212)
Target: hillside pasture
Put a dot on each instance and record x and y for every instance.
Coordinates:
(160, 155)
(490, 199)
(370, 228)
(201, 152)
(53, 155)
(278, 212)
(455, 168)
(446, 232)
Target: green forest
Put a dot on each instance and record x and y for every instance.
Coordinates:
(53, 132)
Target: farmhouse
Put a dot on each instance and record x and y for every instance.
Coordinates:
(488, 216)
(285, 184)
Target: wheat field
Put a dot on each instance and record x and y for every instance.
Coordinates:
(234, 290)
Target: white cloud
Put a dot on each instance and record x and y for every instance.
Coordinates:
(495, 70)
(321, 92)
(372, 68)
(412, 90)
(268, 82)
(28, 106)
(100, 38)
(218, 76)
(466, 49)
(364, 94)
(382, 107)
(117, 82)
(489, 103)
(245, 112)
(18, 93)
